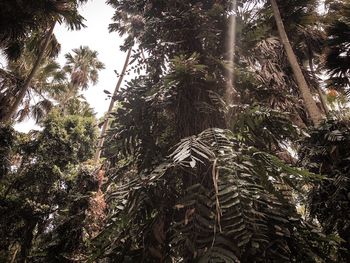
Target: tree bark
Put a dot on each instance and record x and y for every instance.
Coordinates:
(110, 108)
(13, 108)
(310, 104)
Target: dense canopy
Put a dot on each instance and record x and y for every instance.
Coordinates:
(230, 143)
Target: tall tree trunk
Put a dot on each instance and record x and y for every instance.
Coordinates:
(13, 108)
(305, 92)
(110, 108)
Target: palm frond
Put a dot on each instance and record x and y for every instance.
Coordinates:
(224, 204)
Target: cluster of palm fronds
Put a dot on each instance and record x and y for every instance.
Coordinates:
(53, 86)
(18, 20)
(9, 85)
(338, 45)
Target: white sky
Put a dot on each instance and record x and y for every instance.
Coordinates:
(98, 16)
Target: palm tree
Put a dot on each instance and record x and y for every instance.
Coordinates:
(309, 102)
(48, 80)
(19, 19)
(62, 11)
(27, 82)
(133, 26)
(51, 82)
(9, 84)
(83, 67)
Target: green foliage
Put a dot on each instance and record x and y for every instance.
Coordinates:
(221, 195)
(213, 199)
(263, 128)
(66, 242)
(182, 68)
(338, 46)
(68, 136)
(6, 143)
(37, 185)
(326, 151)
(191, 177)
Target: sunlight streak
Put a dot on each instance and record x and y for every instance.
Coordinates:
(231, 41)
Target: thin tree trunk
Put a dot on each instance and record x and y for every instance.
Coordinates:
(110, 108)
(230, 45)
(11, 112)
(305, 92)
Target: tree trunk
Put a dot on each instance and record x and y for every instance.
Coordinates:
(305, 92)
(12, 110)
(230, 45)
(110, 108)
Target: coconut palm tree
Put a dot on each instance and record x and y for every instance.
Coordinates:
(133, 26)
(27, 82)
